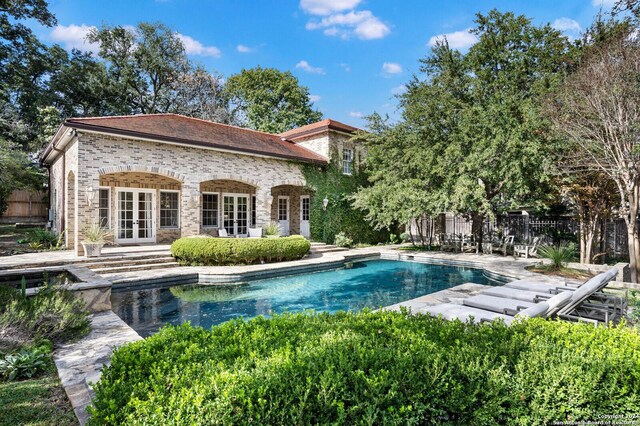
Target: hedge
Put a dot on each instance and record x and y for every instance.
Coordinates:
(233, 251)
(372, 368)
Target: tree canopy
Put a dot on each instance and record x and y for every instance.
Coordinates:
(472, 138)
(270, 100)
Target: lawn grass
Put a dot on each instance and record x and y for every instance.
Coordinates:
(35, 402)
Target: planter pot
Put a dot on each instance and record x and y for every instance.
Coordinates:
(92, 249)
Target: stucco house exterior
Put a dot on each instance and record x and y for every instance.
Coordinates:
(155, 178)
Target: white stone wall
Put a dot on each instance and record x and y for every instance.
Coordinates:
(331, 145)
(100, 154)
(59, 191)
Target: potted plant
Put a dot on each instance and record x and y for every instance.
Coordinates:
(272, 230)
(95, 237)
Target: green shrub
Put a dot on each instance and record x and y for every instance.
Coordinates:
(559, 255)
(233, 251)
(53, 314)
(44, 239)
(26, 363)
(272, 229)
(342, 240)
(371, 368)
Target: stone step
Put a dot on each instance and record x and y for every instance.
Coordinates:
(327, 249)
(133, 268)
(106, 263)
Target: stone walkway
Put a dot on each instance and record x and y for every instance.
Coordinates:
(80, 363)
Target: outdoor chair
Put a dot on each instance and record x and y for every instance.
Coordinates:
(483, 309)
(514, 307)
(525, 250)
(222, 233)
(504, 246)
(468, 244)
(589, 304)
(255, 233)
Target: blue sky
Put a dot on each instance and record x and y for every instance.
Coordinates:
(354, 55)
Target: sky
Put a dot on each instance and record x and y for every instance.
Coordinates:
(353, 55)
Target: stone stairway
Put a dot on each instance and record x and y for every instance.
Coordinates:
(321, 248)
(131, 264)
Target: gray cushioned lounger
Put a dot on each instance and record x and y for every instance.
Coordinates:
(512, 293)
(538, 287)
(500, 305)
(451, 311)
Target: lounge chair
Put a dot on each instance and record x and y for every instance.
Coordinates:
(514, 293)
(514, 307)
(539, 287)
(588, 303)
(500, 305)
(222, 233)
(452, 311)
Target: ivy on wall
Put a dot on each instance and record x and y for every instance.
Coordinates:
(339, 216)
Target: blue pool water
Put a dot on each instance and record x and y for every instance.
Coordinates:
(372, 284)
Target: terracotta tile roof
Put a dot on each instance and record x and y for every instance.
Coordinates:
(193, 131)
(319, 127)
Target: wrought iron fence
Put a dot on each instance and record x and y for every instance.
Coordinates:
(524, 227)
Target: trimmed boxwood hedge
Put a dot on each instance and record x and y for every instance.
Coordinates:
(372, 368)
(234, 251)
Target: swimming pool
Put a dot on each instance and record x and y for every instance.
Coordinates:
(373, 284)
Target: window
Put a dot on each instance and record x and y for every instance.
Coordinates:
(283, 208)
(104, 204)
(347, 161)
(253, 211)
(210, 210)
(305, 208)
(169, 211)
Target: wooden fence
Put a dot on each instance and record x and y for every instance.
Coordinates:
(26, 206)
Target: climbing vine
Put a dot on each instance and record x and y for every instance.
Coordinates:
(339, 216)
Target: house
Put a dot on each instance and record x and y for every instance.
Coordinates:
(155, 178)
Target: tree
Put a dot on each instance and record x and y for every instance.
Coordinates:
(598, 109)
(149, 69)
(270, 100)
(593, 197)
(473, 138)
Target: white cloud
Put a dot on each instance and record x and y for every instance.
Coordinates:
(457, 39)
(603, 3)
(356, 114)
(305, 66)
(363, 24)
(391, 68)
(327, 7)
(244, 49)
(194, 47)
(566, 24)
(399, 90)
(346, 67)
(73, 37)
(314, 98)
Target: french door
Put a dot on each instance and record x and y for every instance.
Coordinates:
(283, 214)
(136, 213)
(235, 214)
(305, 210)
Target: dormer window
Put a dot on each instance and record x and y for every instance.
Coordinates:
(347, 161)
